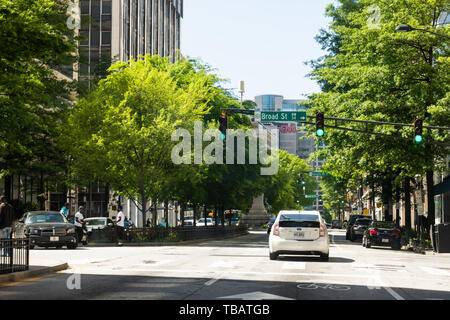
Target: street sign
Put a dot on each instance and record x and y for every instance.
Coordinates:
(283, 116)
(311, 196)
(320, 174)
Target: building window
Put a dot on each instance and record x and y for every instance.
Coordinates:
(106, 7)
(84, 7)
(142, 23)
(106, 37)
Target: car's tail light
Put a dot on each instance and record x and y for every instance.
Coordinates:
(396, 233)
(276, 231)
(322, 230)
(373, 231)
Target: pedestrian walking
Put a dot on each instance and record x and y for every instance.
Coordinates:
(7, 217)
(120, 226)
(79, 222)
(148, 224)
(65, 210)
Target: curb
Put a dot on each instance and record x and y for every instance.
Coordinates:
(32, 273)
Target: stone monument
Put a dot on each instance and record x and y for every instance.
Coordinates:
(257, 215)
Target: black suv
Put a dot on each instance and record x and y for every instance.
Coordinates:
(351, 222)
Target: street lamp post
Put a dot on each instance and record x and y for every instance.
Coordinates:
(407, 28)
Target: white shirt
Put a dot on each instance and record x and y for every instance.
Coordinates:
(80, 217)
(121, 223)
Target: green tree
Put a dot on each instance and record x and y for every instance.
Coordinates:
(122, 131)
(375, 73)
(34, 92)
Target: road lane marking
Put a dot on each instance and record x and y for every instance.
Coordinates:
(294, 266)
(211, 282)
(435, 271)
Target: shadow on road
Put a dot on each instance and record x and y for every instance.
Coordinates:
(315, 259)
(125, 287)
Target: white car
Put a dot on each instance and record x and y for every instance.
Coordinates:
(299, 232)
(201, 222)
(98, 223)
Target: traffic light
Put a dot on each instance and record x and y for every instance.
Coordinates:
(320, 124)
(301, 180)
(418, 131)
(223, 120)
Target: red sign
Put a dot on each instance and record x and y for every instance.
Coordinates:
(288, 129)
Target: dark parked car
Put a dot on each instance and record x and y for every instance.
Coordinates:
(380, 233)
(358, 228)
(270, 224)
(46, 229)
(351, 222)
(336, 224)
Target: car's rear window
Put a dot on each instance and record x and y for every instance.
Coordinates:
(364, 222)
(299, 221)
(384, 225)
(96, 222)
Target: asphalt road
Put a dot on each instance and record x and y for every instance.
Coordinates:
(238, 269)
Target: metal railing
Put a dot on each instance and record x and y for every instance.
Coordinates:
(14, 256)
(162, 234)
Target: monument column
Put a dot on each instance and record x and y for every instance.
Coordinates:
(257, 215)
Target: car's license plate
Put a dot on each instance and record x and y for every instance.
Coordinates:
(385, 240)
(54, 238)
(299, 234)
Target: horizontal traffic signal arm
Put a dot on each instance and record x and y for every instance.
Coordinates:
(367, 122)
(367, 131)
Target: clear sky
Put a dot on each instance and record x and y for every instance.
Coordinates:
(263, 42)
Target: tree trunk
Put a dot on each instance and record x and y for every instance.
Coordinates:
(166, 213)
(183, 209)
(41, 191)
(8, 183)
(430, 198)
(407, 187)
(205, 213)
(397, 206)
(222, 216)
(215, 216)
(195, 215)
(144, 210)
(155, 213)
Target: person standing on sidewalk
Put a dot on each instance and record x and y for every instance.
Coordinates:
(7, 217)
(120, 226)
(79, 221)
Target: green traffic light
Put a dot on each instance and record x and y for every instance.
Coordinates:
(223, 137)
(320, 132)
(418, 139)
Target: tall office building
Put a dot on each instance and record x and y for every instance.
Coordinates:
(121, 29)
